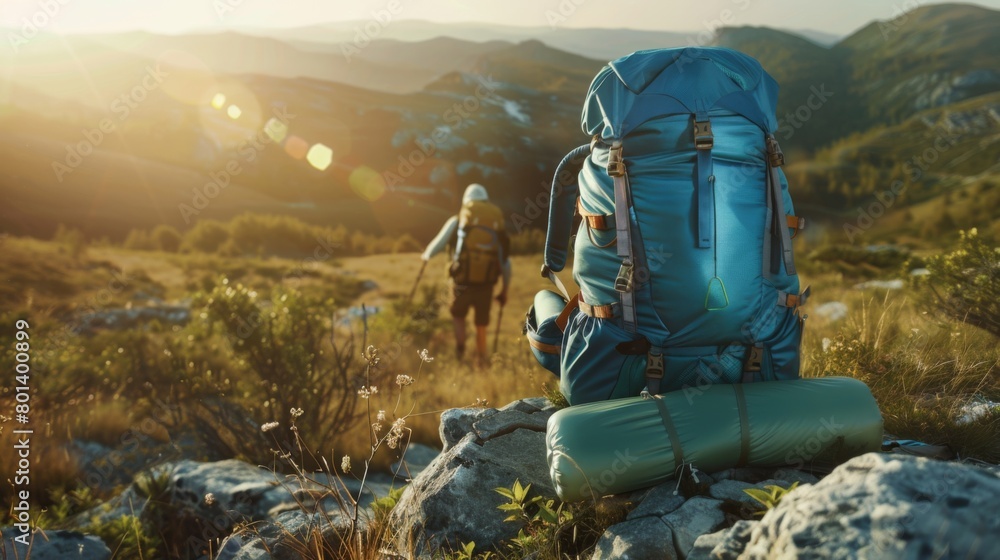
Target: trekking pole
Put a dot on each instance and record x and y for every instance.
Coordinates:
(496, 336)
(413, 291)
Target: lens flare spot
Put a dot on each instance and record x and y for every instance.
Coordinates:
(320, 156)
(276, 130)
(296, 147)
(219, 101)
(367, 183)
(234, 112)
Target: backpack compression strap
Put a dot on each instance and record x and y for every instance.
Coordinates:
(777, 236)
(703, 143)
(624, 283)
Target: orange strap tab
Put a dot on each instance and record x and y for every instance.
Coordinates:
(598, 311)
(541, 346)
(595, 221)
(563, 319)
(796, 223)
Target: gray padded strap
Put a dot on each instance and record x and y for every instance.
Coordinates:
(623, 204)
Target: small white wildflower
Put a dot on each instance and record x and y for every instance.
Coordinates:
(396, 433)
(345, 464)
(209, 499)
(827, 343)
(296, 412)
(425, 356)
(269, 426)
(403, 380)
(366, 392)
(380, 417)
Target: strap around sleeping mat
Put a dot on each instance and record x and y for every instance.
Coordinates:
(668, 424)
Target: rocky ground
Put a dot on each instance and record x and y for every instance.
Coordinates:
(875, 506)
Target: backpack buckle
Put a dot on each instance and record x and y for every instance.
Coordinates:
(616, 165)
(703, 137)
(774, 154)
(623, 282)
(654, 365)
(755, 359)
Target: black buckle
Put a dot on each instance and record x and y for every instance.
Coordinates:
(623, 282)
(703, 137)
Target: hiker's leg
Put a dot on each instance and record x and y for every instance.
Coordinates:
(482, 300)
(481, 343)
(459, 336)
(460, 303)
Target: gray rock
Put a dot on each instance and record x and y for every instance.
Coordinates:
(457, 422)
(731, 490)
(236, 486)
(506, 421)
(290, 536)
(659, 501)
(753, 475)
(795, 475)
(453, 501)
(527, 406)
(53, 544)
(881, 506)
(698, 516)
(415, 460)
(726, 544)
(637, 539)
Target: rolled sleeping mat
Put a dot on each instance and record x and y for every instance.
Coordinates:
(540, 327)
(622, 445)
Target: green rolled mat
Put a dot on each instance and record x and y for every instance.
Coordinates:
(621, 445)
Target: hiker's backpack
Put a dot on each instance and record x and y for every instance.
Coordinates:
(683, 253)
(480, 245)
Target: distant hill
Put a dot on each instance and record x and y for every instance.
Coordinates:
(596, 43)
(929, 57)
(404, 144)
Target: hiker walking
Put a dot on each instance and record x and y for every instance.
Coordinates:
(479, 249)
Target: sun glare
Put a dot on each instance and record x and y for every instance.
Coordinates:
(320, 156)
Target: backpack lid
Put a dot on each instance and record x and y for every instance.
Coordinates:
(660, 82)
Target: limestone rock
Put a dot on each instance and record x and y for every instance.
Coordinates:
(646, 538)
(881, 506)
(54, 544)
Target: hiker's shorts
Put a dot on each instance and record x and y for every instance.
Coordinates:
(476, 297)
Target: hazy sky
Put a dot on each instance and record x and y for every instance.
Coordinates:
(171, 16)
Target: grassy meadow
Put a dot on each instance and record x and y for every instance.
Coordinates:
(100, 385)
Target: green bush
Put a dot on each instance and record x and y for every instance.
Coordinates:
(964, 284)
(288, 342)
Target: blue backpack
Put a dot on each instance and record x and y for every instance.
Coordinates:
(683, 253)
